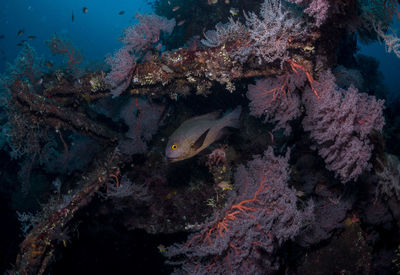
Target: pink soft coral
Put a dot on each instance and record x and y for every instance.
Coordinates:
(122, 66)
(315, 8)
(339, 121)
(275, 98)
(137, 40)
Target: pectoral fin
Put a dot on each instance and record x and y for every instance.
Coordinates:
(200, 141)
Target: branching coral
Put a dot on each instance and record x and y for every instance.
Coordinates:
(276, 99)
(27, 66)
(143, 36)
(143, 119)
(137, 40)
(318, 9)
(265, 36)
(392, 41)
(243, 237)
(57, 45)
(376, 19)
(271, 32)
(340, 121)
(122, 66)
(389, 178)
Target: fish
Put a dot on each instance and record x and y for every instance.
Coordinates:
(234, 11)
(225, 185)
(121, 12)
(72, 16)
(20, 32)
(84, 10)
(180, 23)
(2, 36)
(176, 8)
(48, 64)
(197, 133)
(162, 249)
(30, 37)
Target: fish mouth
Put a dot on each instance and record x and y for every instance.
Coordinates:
(172, 159)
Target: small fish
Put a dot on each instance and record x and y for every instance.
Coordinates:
(84, 10)
(21, 43)
(176, 8)
(2, 36)
(20, 32)
(30, 37)
(48, 64)
(225, 185)
(180, 23)
(212, 2)
(72, 16)
(197, 133)
(162, 248)
(121, 12)
(234, 11)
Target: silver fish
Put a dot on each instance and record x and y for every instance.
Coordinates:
(197, 133)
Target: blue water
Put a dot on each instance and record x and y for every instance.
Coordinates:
(389, 62)
(389, 65)
(95, 32)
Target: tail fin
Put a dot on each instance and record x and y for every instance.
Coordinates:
(232, 119)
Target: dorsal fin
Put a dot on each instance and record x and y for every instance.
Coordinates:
(211, 116)
(200, 140)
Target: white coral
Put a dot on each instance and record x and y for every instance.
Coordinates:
(265, 36)
(271, 32)
(389, 178)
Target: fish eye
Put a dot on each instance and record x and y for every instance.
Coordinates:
(174, 147)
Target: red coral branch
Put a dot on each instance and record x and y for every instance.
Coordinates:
(57, 45)
(310, 78)
(232, 214)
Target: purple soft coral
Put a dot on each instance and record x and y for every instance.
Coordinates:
(243, 237)
(122, 66)
(137, 40)
(143, 119)
(339, 121)
(315, 8)
(141, 37)
(276, 99)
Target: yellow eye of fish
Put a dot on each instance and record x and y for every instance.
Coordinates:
(174, 147)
